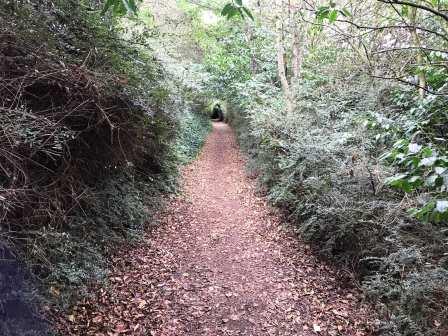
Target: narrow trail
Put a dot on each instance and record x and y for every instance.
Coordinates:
(221, 263)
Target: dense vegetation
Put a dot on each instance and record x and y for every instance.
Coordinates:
(93, 127)
(342, 110)
(341, 107)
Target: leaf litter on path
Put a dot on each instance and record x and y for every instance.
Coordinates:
(220, 263)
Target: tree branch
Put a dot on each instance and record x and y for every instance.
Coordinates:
(408, 48)
(395, 27)
(409, 83)
(416, 5)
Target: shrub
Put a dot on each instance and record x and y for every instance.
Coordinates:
(89, 138)
(320, 166)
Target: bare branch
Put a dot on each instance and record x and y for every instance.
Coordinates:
(394, 27)
(398, 79)
(417, 5)
(409, 48)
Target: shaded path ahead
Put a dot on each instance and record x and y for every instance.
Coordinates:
(221, 263)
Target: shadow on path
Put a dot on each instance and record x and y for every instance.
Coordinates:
(18, 315)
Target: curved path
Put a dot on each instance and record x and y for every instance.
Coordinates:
(221, 263)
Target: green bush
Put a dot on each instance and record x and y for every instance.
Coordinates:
(323, 161)
(419, 152)
(324, 167)
(194, 127)
(92, 135)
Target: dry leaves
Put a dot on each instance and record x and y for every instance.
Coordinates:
(219, 263)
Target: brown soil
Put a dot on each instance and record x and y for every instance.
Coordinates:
(221, 263)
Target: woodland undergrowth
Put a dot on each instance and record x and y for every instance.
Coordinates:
(332, 165)
(323, 166)
(92, 131)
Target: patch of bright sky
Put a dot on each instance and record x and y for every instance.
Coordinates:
(209, 18)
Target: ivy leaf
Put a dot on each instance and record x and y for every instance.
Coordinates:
(248, 13)
(346, 12)
(226, 10)
(332, 17)
(431, 180)
(414, 148)
(399, 181)
(322, 13)
(439, 170)
(107, 6)
(121, 7)
(428, 161)
(442, 206)
(230, 11)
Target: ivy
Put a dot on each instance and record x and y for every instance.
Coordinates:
(236, 8)
(121, 7)
(330, 13)
(424, 169)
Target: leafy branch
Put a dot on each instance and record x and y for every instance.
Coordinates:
(235, 8)
(121, 7)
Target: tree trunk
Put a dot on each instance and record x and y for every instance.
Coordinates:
(419, 57)
(282, 74)
(297, 46)
(289, 87)
(296, 57)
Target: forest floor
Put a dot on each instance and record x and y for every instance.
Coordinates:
(221, 262)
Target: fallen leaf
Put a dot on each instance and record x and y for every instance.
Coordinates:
(121, 328)
(142, 304)
(234, 317)
(54, 291)
(97, 319)
(339, 313)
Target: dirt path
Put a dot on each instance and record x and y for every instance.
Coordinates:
(221, 264)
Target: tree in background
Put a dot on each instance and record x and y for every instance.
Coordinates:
(341, 107)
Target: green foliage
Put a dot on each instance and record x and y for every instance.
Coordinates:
(322, 165)
(116, 211)
(318, 166)
(121, 7)
(425, 169)
(235, 8)
(92, 148)
(419, 153)
(194, 128)
(330, 13)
